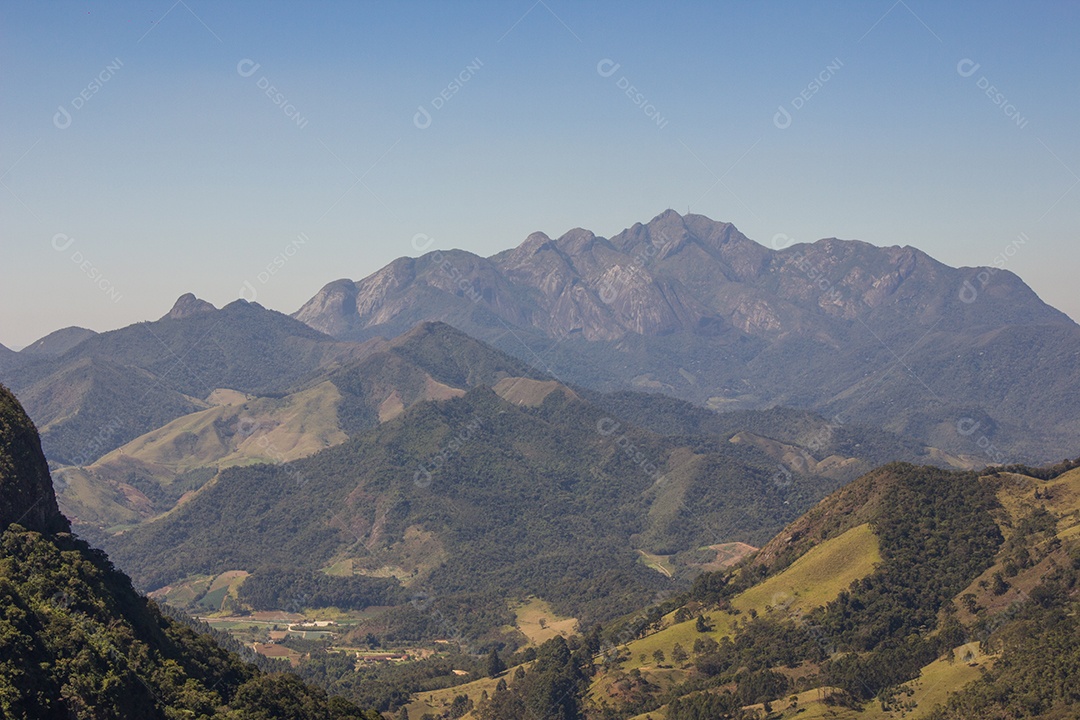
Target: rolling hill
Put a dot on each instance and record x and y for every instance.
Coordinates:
(112, 387)
(150, 474)
(58, 342)
(477, 495)
(433, 362)
(455, 468)
(8, 357)
(911, 593)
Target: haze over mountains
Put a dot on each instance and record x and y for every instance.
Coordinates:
(113, 387)
(691, 307)
(967, 360)
(589, 424)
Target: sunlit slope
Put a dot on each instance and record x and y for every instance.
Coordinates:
(818, 576)
(152, 473)
(811, 581)
(259, 430)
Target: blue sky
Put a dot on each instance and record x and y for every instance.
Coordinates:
(143, 158)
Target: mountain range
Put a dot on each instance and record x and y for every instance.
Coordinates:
(110, 388)
(966, 360)
(439, 458)
(693, 308)
(599, 432)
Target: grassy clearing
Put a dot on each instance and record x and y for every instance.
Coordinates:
(818, 576)
(813, 580)
(184, 592)
(207, 592)
(410, 559)
(811, 705)
(683, 633)
(235, 431)
(539, 623)
(342, 568)
(438, 701)
(727, 554)
(531, 393)
(230, 579)
(1060, 496)
(659, 563)
(225, 396)
(936, 682)
(82, 499)
(277, 430)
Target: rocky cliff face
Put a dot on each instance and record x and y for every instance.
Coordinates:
(674, 274)
(186, 306)
(26, 491)
(684, 305)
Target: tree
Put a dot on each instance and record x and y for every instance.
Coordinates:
(594, 641)
(702, 625)
(678, 654)
(1000, 587)
(495, 664)
(658, 656)
(551, 691)
(461, 705)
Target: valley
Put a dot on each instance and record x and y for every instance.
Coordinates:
(618, 514)
(539, 360)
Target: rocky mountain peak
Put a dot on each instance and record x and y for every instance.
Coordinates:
(187, 305)
(533, 244)
(26, 491)
(576, 242)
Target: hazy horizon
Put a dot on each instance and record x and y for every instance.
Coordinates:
(155, 149)
(257, 282)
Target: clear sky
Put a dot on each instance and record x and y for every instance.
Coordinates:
(153, 148)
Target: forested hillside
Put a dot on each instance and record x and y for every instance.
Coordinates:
(913, 592)
(516, 500)
(76, 640)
